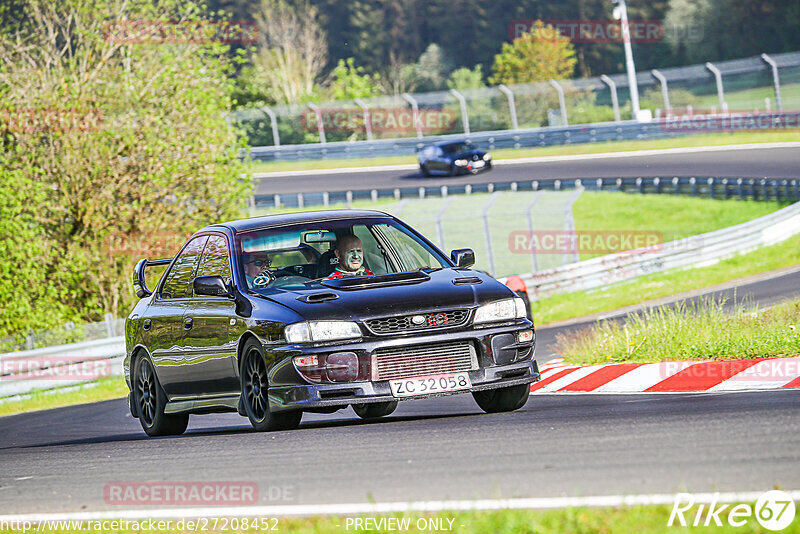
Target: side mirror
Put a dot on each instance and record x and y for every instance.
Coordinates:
(463, 257)
(211, 286)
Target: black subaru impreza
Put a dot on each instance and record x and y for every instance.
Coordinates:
(274, 316)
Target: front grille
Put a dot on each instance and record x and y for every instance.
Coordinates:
(423, 360)
(405, 323)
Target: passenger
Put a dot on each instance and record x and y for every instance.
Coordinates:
(350, 256)
(256, 270)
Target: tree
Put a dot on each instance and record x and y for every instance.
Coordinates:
(349, 81)
(465, 78)
(540, 54)
(292, 49)
(122, 145)
(432, 68)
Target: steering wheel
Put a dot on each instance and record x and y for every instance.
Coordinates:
(264, 278)
(290, 271)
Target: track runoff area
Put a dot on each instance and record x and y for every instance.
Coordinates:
(580, 450)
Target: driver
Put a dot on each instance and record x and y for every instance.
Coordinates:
(256, 269)
(350, 256)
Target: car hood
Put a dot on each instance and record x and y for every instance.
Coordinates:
(385, 295)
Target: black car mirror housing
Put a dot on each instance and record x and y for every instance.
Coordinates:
(463, 257)
(211, 286)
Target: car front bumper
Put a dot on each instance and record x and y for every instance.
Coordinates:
(490, 374)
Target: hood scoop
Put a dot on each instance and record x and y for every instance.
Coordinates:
(383, 280)
(467, 280)
(313, 298)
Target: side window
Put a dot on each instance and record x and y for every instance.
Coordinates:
(411, 254)
(215, 259)
(375, 260)
(179, 278)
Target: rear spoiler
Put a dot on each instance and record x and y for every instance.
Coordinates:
(139, 284)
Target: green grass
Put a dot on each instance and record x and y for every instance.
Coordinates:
(654, 286)
(105, 389)
(560, 150)
(699, 330)
(749, 99)
(669, 217)
(639, 519)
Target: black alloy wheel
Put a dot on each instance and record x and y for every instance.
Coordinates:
(150, 401)
(255, 393)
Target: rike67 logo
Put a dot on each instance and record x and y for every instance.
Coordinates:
(774, 510)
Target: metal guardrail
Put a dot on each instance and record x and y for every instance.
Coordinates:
(537, 137)
(547, 136)
(60, 366)
(780, 189)
(695, 251)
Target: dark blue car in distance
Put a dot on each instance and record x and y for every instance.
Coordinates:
(275, 316)
(450, 158)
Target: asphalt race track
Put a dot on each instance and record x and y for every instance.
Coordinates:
(577, 445)
(752, 163)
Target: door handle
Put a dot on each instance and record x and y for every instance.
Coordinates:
(187, 323)
(146, 324)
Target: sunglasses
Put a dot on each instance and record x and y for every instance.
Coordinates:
(259, 263)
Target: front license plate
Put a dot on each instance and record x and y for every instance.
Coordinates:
(426, 385)
(478, 164)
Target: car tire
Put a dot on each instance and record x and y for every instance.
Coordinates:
(255, 399)
(502, 399)
(374, 410)
(150, 400)
(424, 170)
(528, 310)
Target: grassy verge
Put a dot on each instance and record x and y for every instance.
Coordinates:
(612, 297)
(560, 150)
(700, 330)
(108, 388)
(670, 217)
(640, 519)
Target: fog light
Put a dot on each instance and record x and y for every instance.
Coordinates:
(526, 336)
(341, 366)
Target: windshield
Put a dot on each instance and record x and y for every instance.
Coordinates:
(294, 256)
(456, 148)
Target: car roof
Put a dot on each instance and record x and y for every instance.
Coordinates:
(285, 219)
(445, 143)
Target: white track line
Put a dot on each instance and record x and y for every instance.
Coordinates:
(540, 159)
(541, 503)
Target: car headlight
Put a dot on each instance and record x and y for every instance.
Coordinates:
(321, 331)
(501, 310)
(487, 157)
(460, 162)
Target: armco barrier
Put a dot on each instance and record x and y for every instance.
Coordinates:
(539, 137)
(60, 365)
(695, 251)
